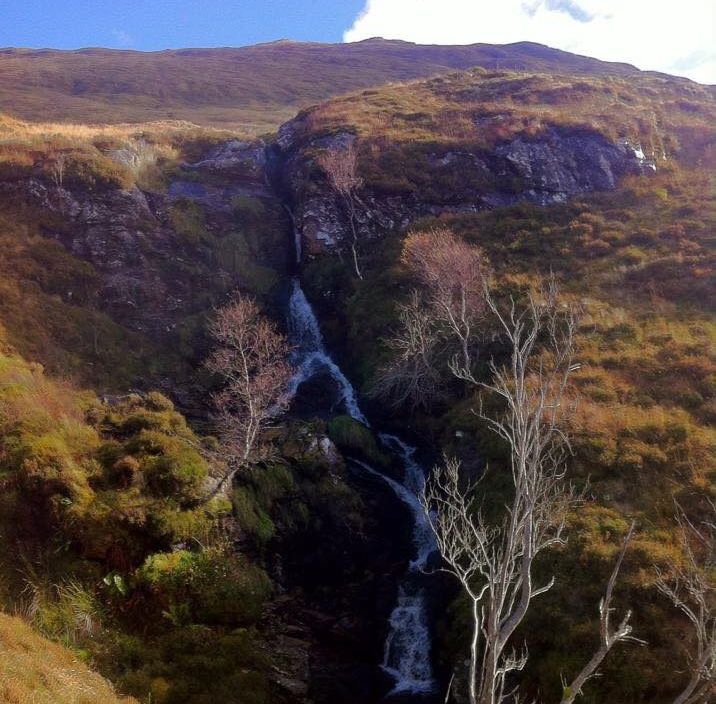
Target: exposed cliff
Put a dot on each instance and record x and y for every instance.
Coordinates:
(548, 168)
(155, 261)
(481, 140)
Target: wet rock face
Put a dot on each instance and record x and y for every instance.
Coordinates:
(153, 275)
(123, 236)
(248, 157)
(317, 397)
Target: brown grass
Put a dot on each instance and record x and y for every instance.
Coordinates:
(479, 108)
(252, 89)
(35, 671)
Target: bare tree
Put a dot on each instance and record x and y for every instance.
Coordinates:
(438, 322)
(413, 374)
(453, 275)
(58, 164)
(690, 589)
(494, 563)
(608, 636)
(340, 167)
(252, 359)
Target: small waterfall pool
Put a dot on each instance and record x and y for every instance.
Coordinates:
(408, 644)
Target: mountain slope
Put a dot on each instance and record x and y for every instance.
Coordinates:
(121, 240)
(607, 184)
(253, 88)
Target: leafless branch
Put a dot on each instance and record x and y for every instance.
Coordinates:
(690, 589)
(609, 636)
(494, 563)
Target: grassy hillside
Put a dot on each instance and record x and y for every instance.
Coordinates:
(641, 263)
(253, 88)
(35, 670)
(639, 259)
(400, 125)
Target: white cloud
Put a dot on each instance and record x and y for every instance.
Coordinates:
(674, 37)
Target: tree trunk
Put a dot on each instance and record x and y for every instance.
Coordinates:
(488, 685)
(473, 652)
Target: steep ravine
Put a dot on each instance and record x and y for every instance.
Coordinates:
(407, 657)
(162, 261)
(550, 168)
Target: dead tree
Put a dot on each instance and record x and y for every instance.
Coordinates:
(251, 357)
(340, 167)
(496, 562)
(608, 636)
(691, 589)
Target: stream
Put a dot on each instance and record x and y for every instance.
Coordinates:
(408, 644)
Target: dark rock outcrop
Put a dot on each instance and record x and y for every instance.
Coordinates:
(549, 168)
(162, 259)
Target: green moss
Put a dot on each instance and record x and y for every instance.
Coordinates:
(214, 585)
(251, 517)
(354, 437)
(188, 220)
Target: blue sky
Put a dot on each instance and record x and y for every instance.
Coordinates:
(663, 35)
(162, 24)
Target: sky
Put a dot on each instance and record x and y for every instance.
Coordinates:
(664, 35)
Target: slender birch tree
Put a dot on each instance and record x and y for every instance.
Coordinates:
(438, 322)
(495, 562)
(251, 357)
(453, 275)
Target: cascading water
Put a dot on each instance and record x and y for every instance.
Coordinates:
(407, 647)
(406, 656)
(309, 356)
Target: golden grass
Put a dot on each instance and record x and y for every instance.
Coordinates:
(126, 153)
(11, 128)
(35, 671)
(481, 108)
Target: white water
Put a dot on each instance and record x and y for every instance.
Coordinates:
(309, 355)
(413, 484)
(406, 655)
(407, 647)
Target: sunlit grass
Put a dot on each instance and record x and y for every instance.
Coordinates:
(35, 671)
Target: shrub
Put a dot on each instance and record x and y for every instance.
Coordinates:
(216, 586)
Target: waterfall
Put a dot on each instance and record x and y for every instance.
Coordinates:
(407, 647)
(406, 655)
(309, 355)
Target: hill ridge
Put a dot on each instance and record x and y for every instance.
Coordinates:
(252, 89)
